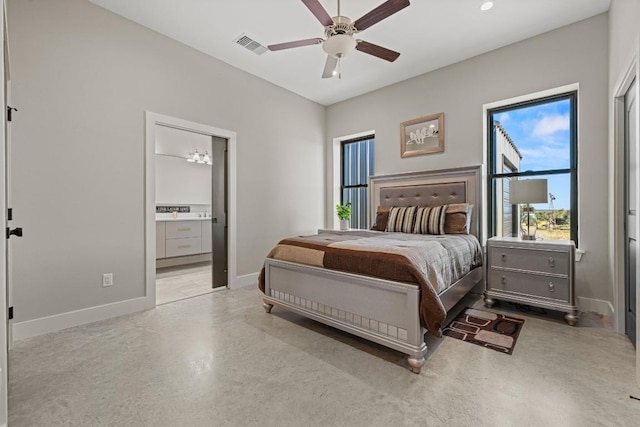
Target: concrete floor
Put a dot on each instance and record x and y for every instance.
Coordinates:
(220, 360)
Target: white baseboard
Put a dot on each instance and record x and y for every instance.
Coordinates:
(596, 306)
(245, 281)
(57, 322)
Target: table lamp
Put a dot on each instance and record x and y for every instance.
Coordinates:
(528, 191)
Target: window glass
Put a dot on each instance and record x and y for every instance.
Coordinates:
(357, 166)
(541, 134)
(535, 140)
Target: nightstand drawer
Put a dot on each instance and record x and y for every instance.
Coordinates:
(544, 261)
(556, 288)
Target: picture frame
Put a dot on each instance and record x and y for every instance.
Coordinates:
(424, 135)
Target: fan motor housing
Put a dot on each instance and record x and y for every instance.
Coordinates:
(341, 25)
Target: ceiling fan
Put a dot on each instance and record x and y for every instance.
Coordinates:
(339, 31)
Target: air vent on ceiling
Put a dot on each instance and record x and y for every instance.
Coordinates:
(249, 43)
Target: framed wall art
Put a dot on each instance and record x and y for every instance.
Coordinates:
(424, 135)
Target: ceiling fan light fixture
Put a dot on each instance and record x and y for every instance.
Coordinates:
(339, 45)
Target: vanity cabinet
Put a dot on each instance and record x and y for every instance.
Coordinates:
(206, 236)
(160, 239)
(183, 238)
(175, 238)
(184, 229)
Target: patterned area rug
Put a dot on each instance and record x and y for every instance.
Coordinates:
(490, 330)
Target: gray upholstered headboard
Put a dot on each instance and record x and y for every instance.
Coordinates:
(430, 188)
(424, 195)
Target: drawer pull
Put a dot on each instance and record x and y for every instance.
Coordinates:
(552, 262)
(552, 287)
(504, 280)
(504, 257)
(183, 246)
(184, 229)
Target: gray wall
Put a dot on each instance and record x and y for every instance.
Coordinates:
(82, 78)
(575, 53)
(624, 27)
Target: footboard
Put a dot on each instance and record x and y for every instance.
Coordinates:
(378, 310)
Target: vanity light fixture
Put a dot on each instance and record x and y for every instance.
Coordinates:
(193, 157)
(486, 6)
(196, 157)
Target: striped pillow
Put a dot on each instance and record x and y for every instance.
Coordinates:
(401, 219)
(430, 220)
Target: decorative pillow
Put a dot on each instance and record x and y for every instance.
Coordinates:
(458, 218)
(430, 220)
(401, 219)
(382, 217)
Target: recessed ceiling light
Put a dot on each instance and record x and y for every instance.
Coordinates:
(486, 6)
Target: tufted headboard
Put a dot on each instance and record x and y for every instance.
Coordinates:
(429, 188)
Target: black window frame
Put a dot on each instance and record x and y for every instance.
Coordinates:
(572, 170)
(343, 187)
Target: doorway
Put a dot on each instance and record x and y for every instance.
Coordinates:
(631, 208)
(190, 207)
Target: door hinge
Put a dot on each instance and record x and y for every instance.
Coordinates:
(9, 214)
(10, 313)
(15, 232)
(10, 111)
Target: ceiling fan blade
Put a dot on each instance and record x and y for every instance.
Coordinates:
(297, 43)
(330, 67)
(379, 51)
(381, 12)
(318, 11)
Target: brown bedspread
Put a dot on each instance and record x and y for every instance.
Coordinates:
(429, 261)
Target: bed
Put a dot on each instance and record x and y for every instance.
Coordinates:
(393, 313)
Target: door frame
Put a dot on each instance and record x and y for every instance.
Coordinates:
(4, 73)
(152, 120)
(627, 144)
(617, 180)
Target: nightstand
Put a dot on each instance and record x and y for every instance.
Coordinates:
(539, 273)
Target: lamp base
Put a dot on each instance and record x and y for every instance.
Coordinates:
(528, 223)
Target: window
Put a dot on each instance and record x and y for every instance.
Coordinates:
(357, 165)
(533, 140)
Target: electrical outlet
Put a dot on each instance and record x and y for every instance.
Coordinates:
(107, 280)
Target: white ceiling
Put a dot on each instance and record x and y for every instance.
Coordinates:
(430, 34)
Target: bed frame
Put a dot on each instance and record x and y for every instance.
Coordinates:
(382, 311)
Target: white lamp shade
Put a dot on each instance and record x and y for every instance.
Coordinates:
(528, 191)
(339, 45)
